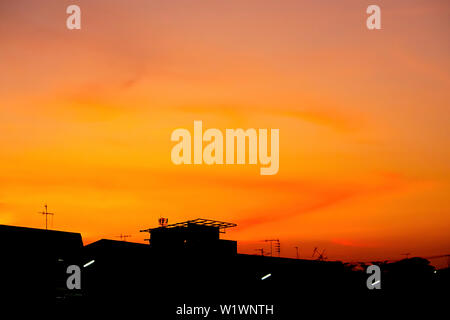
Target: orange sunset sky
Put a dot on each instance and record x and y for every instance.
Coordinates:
(86, 117)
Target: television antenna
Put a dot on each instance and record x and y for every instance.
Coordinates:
(277, 246)
(261, 250)
(46, 213)
(406, 254)
(320, 255)
(163, 222)
(123, 237)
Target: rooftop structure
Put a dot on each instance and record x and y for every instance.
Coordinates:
(199, 222)
(197, 234)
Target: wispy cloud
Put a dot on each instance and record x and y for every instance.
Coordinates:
(326, 199)
(326, 117)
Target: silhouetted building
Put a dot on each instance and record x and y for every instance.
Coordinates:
(187, 262)
(34, 261)
(59, 244)
(201, 236)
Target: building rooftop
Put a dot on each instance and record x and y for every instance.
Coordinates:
(196, 222)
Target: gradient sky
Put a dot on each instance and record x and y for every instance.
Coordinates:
(86, 118)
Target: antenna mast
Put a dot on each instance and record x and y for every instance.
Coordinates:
(260, 250)
(277, 246)
(163, 222)
(46, 213)
(123, 237)
(406, 254)
(320, 256)
(296, 249)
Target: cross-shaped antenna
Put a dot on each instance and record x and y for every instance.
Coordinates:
(123, 237)
(46, 213)
(406, 254)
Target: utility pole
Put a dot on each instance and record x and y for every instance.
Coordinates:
(296, 248)
(46, 213)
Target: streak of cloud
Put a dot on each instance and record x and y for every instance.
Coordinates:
(393, 182)
(326, 117)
